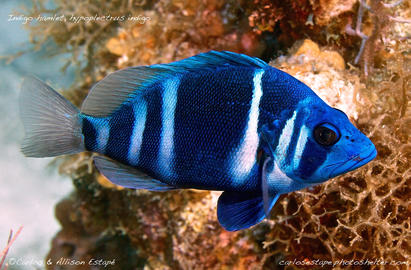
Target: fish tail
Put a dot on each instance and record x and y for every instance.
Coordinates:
(52, 124)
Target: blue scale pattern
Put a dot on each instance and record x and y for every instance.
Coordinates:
(210, 120)
(312, 158)
(282, 92)
(121, 125)
(89, 132)
(208, 124)
(152, 132)
(210, 117)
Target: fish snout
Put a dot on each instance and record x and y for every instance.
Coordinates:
(354, 162)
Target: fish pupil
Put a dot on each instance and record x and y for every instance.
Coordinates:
(325, 136)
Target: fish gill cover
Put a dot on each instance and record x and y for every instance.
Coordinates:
(362, 215)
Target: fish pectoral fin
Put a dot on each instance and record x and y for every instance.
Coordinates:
(241, 210)
(127, 176)
(269, 196)
(265, 185)
(269, 168)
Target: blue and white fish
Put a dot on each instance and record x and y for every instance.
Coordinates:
(214, 121)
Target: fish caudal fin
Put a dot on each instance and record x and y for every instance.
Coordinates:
(51, 122)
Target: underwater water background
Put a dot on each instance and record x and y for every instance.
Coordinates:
(29, 191)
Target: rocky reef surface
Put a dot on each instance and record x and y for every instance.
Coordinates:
(361, 215)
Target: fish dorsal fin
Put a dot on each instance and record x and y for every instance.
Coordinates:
(127, 176)
(109, 93)
(213, 59)
(118, 87)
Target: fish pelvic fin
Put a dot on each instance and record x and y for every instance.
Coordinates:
(241, 210)
(51, 123)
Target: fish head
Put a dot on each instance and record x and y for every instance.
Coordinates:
(313, 143)
(332, 146)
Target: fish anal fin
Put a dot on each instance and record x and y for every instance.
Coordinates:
(127, 176)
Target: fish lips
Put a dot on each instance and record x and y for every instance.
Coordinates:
(354, 162)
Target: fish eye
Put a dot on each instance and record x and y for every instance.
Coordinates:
(326, 134)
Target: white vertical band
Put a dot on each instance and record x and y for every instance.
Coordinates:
(245, 156)
(103, 133)
(299, 149)
(170, 88)
(285, 138)
(140, 116)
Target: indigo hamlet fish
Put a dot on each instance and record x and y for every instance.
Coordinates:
(214, 121)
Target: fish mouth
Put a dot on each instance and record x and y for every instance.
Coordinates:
(354, 163)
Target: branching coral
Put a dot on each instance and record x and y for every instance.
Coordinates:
(382, 20)
(179, 29)
(10, 242)
(299, 19)
(365, 214)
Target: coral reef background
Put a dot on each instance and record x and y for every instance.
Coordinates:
(361, 215)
